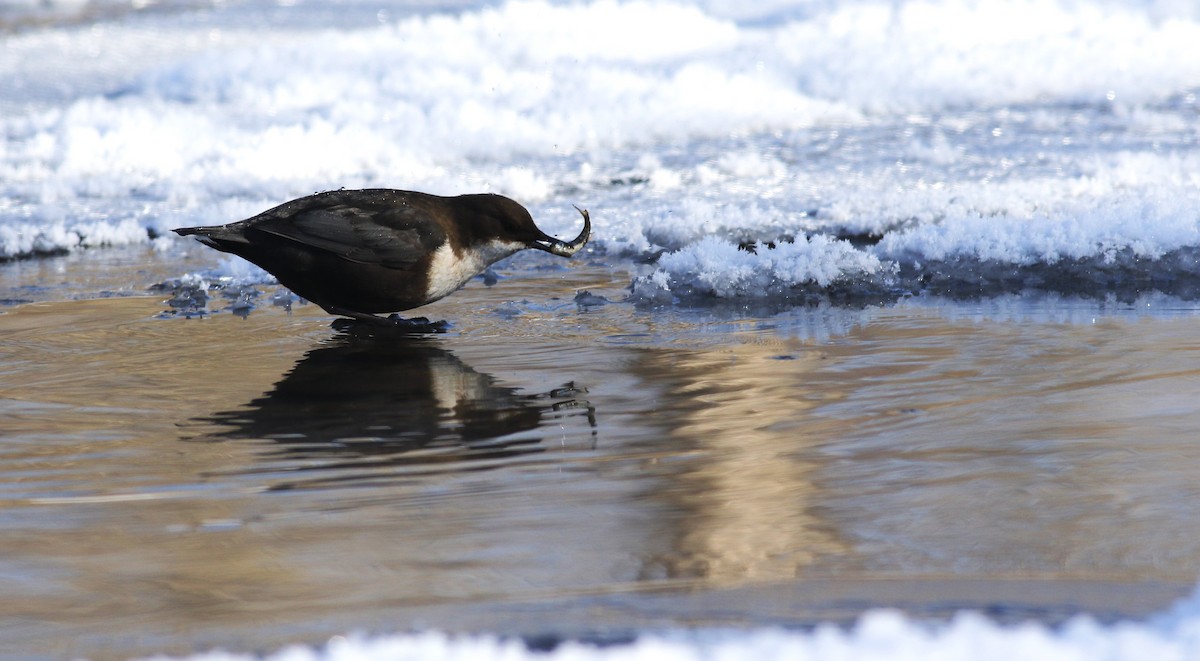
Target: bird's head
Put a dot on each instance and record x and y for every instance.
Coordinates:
(513, 222)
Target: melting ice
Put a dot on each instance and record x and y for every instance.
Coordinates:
(882, 634)
(875, 146)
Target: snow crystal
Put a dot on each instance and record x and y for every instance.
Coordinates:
(879, 634)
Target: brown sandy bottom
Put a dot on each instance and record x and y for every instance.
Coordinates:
(546, 470)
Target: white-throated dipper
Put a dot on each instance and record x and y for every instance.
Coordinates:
(361, 252)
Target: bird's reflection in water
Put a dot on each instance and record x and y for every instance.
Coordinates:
(373, 403)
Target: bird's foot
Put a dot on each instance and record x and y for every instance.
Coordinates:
(393, 321)
(418, 324)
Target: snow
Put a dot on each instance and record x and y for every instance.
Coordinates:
(719, 268)
(879, 634)
(964, 133)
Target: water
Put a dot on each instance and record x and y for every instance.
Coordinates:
(553, 471)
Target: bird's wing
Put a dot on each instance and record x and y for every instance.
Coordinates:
(385, 234)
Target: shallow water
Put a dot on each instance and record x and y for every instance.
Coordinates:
(552, 470)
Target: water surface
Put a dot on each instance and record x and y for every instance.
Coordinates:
(546, 469)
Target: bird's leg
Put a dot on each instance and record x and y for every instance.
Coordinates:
(360, 316)
(419, 324)
(415, 324)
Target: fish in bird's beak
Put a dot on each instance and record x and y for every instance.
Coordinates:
(563, 248)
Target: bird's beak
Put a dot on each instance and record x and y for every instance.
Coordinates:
(563, 248)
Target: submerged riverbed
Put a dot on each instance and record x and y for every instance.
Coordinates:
(554, 470)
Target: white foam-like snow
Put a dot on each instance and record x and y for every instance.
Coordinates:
(719, 268)
(1140, 205)
(880, 634)
(1144, 202)
(917, 56)
(769, 123)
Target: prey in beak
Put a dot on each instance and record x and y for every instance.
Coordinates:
(566, 248)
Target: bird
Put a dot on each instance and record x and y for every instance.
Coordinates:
(359, 253)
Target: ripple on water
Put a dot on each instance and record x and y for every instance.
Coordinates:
(233, 480)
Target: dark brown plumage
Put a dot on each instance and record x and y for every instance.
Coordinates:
(360, 252)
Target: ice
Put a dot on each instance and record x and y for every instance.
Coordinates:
(879, 634)
(1105, 210)
(917, 56)
(894, 143)
(715, 267)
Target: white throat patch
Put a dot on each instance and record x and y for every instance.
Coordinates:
(447, 273)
